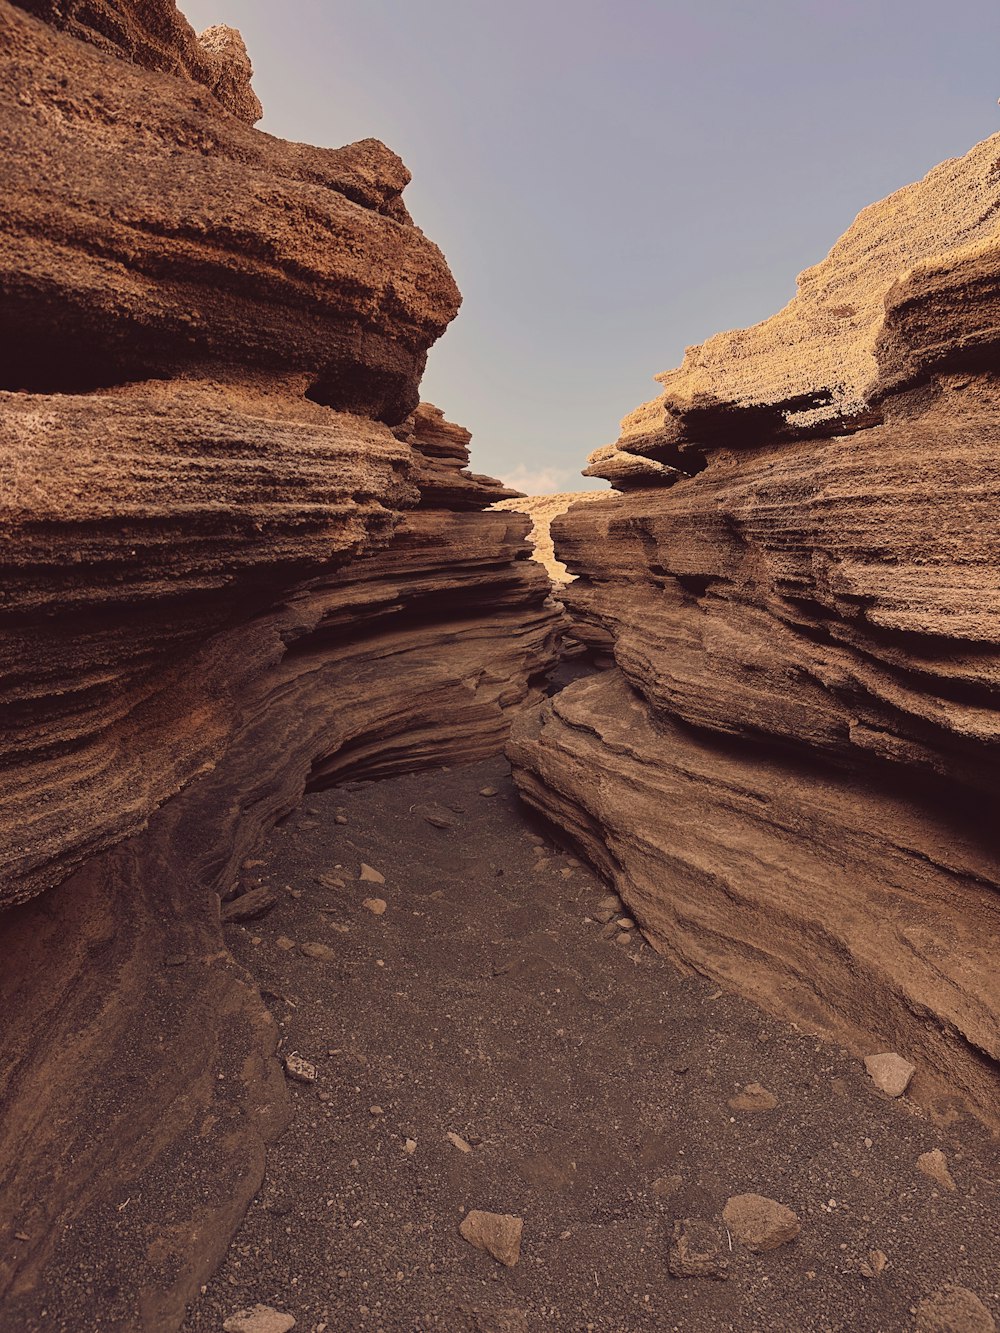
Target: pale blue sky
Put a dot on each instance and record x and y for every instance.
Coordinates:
(614, 179)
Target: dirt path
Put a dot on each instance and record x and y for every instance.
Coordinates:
(591, 1082)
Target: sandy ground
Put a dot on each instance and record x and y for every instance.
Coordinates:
(591, 1082)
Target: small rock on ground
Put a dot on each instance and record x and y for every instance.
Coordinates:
(499, 1234)
(259, 1319)
(250, 905)
(889, 1072)
(760, 1223)
(321, 952)
(697, 1249)
(376, 906)
(370, 875)
(300, 1070)
(935, 1165)
(954, 1310)
(753, 1098)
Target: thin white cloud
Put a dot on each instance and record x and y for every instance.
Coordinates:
(539, 481)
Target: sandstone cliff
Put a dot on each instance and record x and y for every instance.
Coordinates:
(542, 509)
(239, 559)
(790, 773)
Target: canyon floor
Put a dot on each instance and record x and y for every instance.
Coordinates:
(587, 1083)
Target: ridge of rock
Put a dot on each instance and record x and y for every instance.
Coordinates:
(788, 775)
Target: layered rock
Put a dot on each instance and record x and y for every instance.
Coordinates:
(542, 509)
(239, 559)
(790, 770)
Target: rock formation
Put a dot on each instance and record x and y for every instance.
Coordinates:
(542, 509)
(239, 559)
(791, 771)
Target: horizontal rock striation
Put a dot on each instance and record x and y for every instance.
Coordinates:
(790, 771)
(239, 559)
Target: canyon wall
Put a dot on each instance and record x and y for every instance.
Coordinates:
(240, 558)
(791, 771)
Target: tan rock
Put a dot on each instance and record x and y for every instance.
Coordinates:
(499, 1234)
(935, 1165)
(370, 875)
(320, 952)
(461, 1144)
(954, 1309)
(753, 1098)
(298, 1069)
(760, 1223)
(376, 906)
(698, 1250)
(890, 1073)
(259, 1319)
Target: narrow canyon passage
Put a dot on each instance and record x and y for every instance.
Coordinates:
(484, 1041)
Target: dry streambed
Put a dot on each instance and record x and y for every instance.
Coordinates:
(511, 1114)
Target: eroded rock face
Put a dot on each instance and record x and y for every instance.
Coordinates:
(791, 771)
(239, 559)
(542, 509)
(155, 35)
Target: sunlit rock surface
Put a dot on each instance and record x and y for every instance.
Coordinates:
(791, 771)
(239, 559)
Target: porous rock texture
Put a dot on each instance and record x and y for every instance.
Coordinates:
(238, 559)
(542, 509)
(792, 770)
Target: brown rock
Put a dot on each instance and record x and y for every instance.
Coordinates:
(300, 1070)
(760, 1223)
(753, 1098)
(250, 905)
(370, 875)
(321, 952)
(499, 1234)
(259, 1319)
(954, 1309)
(376, 906)
(935, 1165)
(890, 1073)
(698, 1250)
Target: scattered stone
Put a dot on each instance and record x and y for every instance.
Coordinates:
(566, 872)
(436, 816)
(623, 938)
(935, 1165)
(175, 960)
(410, 1147)
(304, 825)
(535, 839)
(875, 1265)
(499, 1234)
(954, 1309)
(753, 1098)
(370, 875)
(697, 1250)
(665, 1186)
(340, 819)
(376, 906)
(283, 942)
(626, 923)
(488, 791)
(375, 1110)
(259, 1319)
(321, 952)
(298, 1069)
(890, 1073)
(461, 1144)
(331, 881)
(760, 1223)
(610, 903)
(609, 931)
(249, 905)
(542, 864)
(603, 915)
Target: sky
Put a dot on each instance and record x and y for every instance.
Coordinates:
(613, 180)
